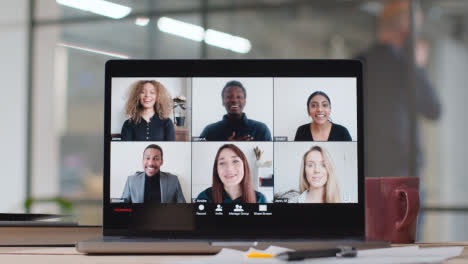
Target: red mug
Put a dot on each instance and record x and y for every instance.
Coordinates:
(392, 206)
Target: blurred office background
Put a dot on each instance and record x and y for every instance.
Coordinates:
(52, 70)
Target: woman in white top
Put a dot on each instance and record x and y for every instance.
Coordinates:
(318, 182)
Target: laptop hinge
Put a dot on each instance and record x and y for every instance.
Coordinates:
(234, 243)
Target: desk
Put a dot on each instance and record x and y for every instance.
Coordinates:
(72, 259)
(7, 255)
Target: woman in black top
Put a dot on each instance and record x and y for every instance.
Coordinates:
(321, 128)
(149, 106)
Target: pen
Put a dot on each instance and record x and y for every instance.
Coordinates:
(254, 254)
(341, 251)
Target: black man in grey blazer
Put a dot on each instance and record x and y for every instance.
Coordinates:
(153, 185)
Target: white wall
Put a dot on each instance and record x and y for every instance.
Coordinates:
(13, 73)
(204, 154)
(45, 126)
(288, 156)
(450, 181)
(121, 88)
(127, 158)
(208, 105)
(291, 96)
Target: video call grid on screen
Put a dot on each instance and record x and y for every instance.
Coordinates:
(275, 108)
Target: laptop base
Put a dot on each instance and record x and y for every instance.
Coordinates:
(120, 245)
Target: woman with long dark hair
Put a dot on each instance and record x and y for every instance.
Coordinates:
(232, 181)
(321, 128)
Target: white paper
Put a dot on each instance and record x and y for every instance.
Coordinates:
(228, 256)
(396, 255)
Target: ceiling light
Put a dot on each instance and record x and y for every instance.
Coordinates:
(210, 36)
(100, 7)
(181, 29)
(96, 51)
(227, 41)
(142, 21)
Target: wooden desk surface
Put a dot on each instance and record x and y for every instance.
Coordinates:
(79, 258)
(57, 255)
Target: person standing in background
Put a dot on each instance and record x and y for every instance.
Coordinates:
(386, 102)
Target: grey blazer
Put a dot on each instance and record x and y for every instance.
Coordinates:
(171, 192)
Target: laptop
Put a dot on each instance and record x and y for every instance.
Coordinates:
(205, 154)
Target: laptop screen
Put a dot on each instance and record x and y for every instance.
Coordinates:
(227, 148)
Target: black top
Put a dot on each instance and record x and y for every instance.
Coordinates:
(222, 130)
(156, 130)
(337, 133)
(208, 196)
(152, 192)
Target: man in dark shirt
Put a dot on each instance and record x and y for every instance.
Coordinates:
(153, 185)
(235, 124)
(152, 192)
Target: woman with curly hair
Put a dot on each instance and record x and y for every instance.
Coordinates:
(148, 107)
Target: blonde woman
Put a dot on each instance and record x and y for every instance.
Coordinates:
(148, 107)
(318, 182)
